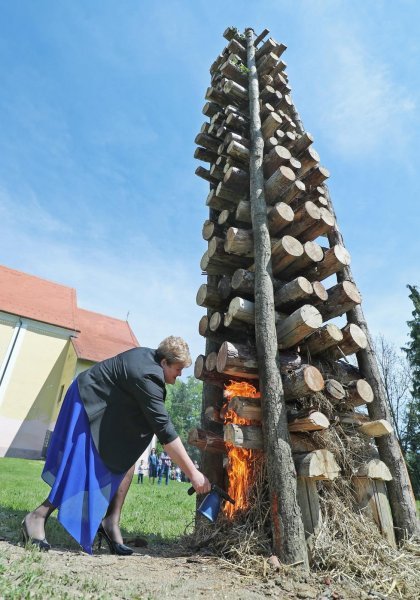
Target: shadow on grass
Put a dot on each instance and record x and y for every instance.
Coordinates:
(60, 539)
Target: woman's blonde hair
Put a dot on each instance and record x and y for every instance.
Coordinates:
(175, 350)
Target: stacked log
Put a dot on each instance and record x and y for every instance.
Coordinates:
(314, 351)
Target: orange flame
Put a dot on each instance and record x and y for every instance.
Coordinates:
(241, 388)
(242, 462)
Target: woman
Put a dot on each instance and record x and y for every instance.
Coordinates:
(108, 419)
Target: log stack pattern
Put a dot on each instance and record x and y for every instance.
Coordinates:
(313, 345)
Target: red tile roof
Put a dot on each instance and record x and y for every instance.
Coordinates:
(97, 336)
(35, 298)
(101, 337)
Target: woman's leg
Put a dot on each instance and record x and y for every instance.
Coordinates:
(35, 520)
(111, 521)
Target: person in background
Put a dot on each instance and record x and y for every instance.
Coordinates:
(108, 418)
(153, 465)
(166, 468)
(140, 472)
(178, 473)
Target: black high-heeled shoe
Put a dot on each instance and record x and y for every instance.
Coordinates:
(114, 547)
(27, 539)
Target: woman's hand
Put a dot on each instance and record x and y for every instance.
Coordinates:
(200, 482)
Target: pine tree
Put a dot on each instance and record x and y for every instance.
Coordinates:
(411, 441)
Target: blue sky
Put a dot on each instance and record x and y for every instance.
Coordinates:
(100, 102)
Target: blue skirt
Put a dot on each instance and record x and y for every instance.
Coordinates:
(82, 486)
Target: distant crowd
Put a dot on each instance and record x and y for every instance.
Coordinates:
(161, 468)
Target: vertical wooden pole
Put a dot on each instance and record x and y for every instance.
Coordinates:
(286, 520)
(400, 491)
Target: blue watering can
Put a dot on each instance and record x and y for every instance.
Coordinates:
(210, 506)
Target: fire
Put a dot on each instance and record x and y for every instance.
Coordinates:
(242, 462)
(241, 388)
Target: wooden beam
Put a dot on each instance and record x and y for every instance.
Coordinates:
(308, 499)
(312, 255)
(277, 157)
(243, 310)
(284, 252)
(321, 340)
(213, 378)
(334, 391)
(211, 360)
(206, 441)
(246, 408)
(205, 155)
(321, 227)
(209, 297)
(294, 291)
(372, 499)
(261, 36)
(376, 429)
(374, 469)
(353, 340)
(248, 436)
(292, 329)
(341, 298)
(302, 382)
(305, 216)
(213, 414)
(279, 217)
(278, 184)
(358, 392)
(335, 260)
(241, 360)
(237, 360)
(317, 465)
(314, 421)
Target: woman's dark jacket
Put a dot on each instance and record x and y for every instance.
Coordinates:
(124, 399)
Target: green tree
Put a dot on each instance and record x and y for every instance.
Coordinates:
(183, 402)
(411, 439)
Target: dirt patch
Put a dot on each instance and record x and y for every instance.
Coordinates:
(157, 572)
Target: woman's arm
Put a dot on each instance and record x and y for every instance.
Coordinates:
(179, 455)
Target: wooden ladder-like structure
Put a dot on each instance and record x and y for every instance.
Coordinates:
(313, 287)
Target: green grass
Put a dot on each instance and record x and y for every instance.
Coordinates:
(162, 513)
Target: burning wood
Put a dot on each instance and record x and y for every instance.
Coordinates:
(243, 463)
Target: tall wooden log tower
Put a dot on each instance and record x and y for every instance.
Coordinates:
(312, 289)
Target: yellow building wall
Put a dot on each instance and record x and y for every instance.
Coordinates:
(72, 367)
(6, 333)
(37, 365)
(32, 393)
(67, 376)
(82, 365)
